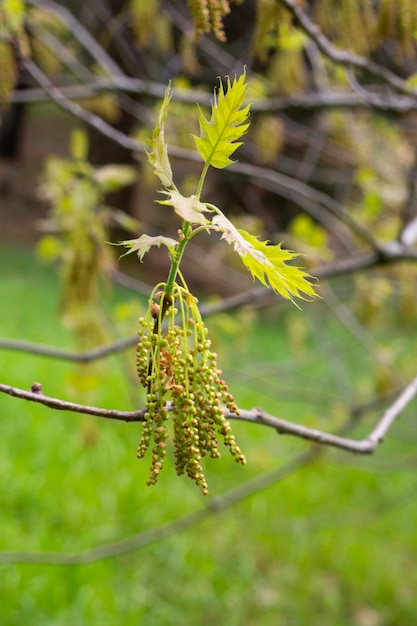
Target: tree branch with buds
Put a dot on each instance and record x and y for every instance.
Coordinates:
(257, 416)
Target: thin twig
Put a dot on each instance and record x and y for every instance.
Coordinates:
(255, 416)
(363, 446)
(73, 407)
(391, 414)
(215, 505)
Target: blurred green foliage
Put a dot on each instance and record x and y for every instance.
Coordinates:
(329, 544)
(334, 542)
(78, 228)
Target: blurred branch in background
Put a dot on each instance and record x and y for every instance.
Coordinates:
(346, 159)
(311, 199)
(142, 539)
(230, 498)
(343, 57)
(303, 102)
(259, 296)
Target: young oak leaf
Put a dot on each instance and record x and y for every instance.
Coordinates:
(158, 156)
(188, 208)
(218, 137)
(266, 262)
(144, 243)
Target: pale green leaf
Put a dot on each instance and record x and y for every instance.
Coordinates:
(291, 39)
(267, 263)
(114, 177)
(122, 219)
(12, 13)
(188, 208)
(144, 243)
(49, 248)
(158, 156)
(219, 136)
(9, 71)
(231, 234)
(411, 81)
(79, 145)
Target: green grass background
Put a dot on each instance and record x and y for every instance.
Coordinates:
(332, 543)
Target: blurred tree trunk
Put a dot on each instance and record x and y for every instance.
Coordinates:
(11, 131)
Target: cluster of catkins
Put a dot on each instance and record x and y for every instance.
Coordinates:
(184, 384)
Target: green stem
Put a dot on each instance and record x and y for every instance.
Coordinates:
(201, 181)
(214, 208)
(175, 263)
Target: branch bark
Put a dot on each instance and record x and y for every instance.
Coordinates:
(73, 407)
(255, 416)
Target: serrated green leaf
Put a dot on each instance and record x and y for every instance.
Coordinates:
(188, 208)
(144, 243)
(158, 156)
(267, 262)
(218, 137)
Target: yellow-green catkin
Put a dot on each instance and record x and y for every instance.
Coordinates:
(208, 15)
(184, 385)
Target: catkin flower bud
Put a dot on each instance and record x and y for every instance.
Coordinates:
(175, 363)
